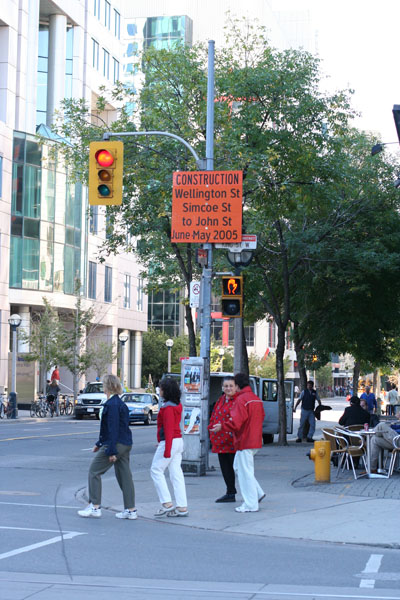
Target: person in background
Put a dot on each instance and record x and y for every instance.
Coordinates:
(112, 448)
(354, 414)
(247, 415)
(308, 398)
(393, 400)
(53, 389)
(55, 374)
(363, 404)
(370, 399)
(222, 441)
(169, 452)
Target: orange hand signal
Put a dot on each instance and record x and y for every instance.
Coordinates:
(232, 286)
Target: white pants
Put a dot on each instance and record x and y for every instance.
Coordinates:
(249, 487)
(157, 470)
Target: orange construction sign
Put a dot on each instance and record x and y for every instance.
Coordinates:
(207, 207)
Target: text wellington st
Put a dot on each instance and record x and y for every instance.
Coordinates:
(207, 206)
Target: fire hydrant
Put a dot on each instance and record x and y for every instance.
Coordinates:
(321, 455)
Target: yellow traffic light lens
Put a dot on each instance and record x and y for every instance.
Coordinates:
(104, 175)
(104, 190)
(104, 158)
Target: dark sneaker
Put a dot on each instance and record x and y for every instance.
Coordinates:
(310, 440)
(227, 498)
(298, 441)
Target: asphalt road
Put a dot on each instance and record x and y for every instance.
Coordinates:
(44, 463)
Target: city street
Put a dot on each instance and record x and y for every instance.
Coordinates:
(46, 550)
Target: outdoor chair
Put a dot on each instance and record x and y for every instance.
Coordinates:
(338, 454)
(354, 445)
(393, 454)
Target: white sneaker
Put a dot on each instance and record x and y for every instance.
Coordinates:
(244, 509)
(127, 514)
(90, 511)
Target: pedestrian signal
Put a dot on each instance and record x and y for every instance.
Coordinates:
(232, 296)
(106, 165)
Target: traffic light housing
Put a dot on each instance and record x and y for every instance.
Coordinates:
(106, 165)
(232, 296)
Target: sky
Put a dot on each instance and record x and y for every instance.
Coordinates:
(359, 44)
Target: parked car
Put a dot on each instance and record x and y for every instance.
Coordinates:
(90, 400)
(143, 406)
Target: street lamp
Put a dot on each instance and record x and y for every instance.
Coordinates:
(221, 353)
(15, 322)
(169, 343)
(123, 338)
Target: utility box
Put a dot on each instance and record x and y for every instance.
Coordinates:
(195, 394)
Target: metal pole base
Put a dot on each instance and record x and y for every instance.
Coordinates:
(194, 467)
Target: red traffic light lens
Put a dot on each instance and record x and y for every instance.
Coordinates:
(104, 158)
(104, 190)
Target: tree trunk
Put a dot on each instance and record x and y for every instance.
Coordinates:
(280, 375)
(298, 346)
(191, 331)
(356, 377)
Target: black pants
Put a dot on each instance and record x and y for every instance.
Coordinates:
(226, 463)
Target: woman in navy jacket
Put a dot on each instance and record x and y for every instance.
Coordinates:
(112, 448)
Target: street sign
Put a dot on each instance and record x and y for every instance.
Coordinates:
(207, 207)
(194, 294)
(249, 242)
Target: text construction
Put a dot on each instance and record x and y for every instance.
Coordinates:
(207, 207)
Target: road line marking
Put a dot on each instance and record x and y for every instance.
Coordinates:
(35, 529)
(32, 437)
(372, 566)
(41, 505)
(67, 536)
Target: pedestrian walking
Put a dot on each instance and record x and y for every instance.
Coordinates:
(370, 399)
(112, 448)
(392, 400)
(307, 399)
(169, 452)
(222, 441)
(247, 415)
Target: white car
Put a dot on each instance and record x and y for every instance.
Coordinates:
(90, 400)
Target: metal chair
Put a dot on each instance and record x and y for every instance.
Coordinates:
(336, 451)
(354, 445)
(394, 454)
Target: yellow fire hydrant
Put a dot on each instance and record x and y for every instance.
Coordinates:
(321, 455)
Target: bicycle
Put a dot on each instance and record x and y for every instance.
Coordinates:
(35, 409)
(3, 406)
(69, 406)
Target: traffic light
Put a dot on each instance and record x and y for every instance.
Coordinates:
(106, 165)
(232, 296)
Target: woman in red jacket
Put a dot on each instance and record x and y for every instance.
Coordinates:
(169, 452)
(222, 441)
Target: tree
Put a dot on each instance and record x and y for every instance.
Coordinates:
(102, 354)
(44, 340)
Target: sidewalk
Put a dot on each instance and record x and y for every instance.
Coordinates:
(343, 511)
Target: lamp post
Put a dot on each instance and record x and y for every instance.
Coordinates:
(169, 343)
(15, 322)
(123, 338)
(239, 260)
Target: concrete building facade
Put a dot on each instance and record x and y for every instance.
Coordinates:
(51, 50)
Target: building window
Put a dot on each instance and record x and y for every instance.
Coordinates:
(163, 312)
(107, 14)
(116, 70)
(92, 282)
(108, 285)
(95, 58)
(106, 64)
(94, 220)
(117, 24)
(248, 335)
(140, 294)
(127, 291)
(96, 8)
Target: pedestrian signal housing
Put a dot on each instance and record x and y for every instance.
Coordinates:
(106, 165)
(232, 296)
